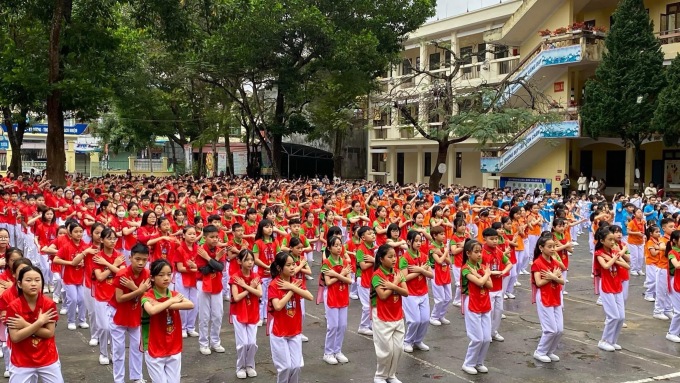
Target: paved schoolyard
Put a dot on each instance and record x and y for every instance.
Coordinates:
(646, 353)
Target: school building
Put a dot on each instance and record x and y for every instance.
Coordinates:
(555, 45)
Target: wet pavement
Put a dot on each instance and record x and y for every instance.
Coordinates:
(646, 353)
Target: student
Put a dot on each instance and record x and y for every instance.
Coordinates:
(365, 260)
(162, 327)
(335, 271)
(652, 253)
(476, 282)
(351, 246)
(662, 304)
(185, 264)
(246, 290)
(285, 325)
(388, 286)
(562, 247)
(302, 270)
(456, 243)
(636, 233)
(499, 266)
(209, 287)
(311, 231)
(9, 294)
(441, 285)
(415, 269)
(34, 354)
(607, 265)
(622, 249)
(125, 314)
(88, 296)
(546, 288)
(511, 240)
(673, 251)
(265, 249)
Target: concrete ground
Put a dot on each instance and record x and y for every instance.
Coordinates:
(647, 356)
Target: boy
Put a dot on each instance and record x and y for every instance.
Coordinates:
(210, 307)
(441, 285)
(295, 232)
(499, 265)
(364, 254)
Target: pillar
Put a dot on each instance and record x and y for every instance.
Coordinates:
(70, 156)
(164, 163)
(420, 165)
(424, 63)
(629, 183)
(391, 164)
(95, 166)
(492, 71)
(450, 165)
(8, 157)
(131, 163)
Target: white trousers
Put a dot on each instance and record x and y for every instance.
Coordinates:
(456, 280)
(118, 334)
(75, 301)
(226, 288)
(46, 374)
(336, 325)
(509, 281)
(59, 290)
(615, 314)
(442, 300)
(650, 280)
(286, 356)
(417, 315)
(521, 258)
(662, 304)
(478, 328)
(388, 339)
(265, 294)
(353, 288)
(552, 325)
(529, 251)
(104, 334)
(496, 310)
(675, 322)
(167, 369)
(365, 298)
(188, 316)
(44, 265)
(637, 257)
(246, 344)
(91, 317)
(210, 312)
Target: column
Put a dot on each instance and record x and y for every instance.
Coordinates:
(391, 164)
(8, 157)
(95, 166)
(420, 165)
(70, 155)
(629, 183)
(450, 164)
(131, 163)
(424, 63)
(492, 71)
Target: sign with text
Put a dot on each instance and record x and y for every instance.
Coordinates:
(528, 184)
(77, 129)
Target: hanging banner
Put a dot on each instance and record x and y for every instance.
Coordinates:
(221, 162)
(188, 159)
(240, 163)
(528, 184)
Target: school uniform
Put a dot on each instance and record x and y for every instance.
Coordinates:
(494, 258)
(265, 251)
(73, 277)
(636, 245)
(104, 291)
(388, 325)
(510, 280)
(364, 278)
(651, 268)
(548, 300)
(34, 358)
(674, 286)
(245, 314)
(336, 302)
(417, 304)
(441, 285)
(164, 352)
(186, 284)
(477, 312)
(561, 240)
(210, 306)
(285, 328)
(662, 304)
(611, 293)
(457, 265)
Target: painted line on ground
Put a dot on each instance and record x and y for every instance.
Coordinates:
(655, 378)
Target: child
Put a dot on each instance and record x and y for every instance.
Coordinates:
(415, 269)
(499, 266)
(246, 290)
(311, 231)
(546, 286)
(456, 243)
(302, 270)
(185, 264)
(622, 249)
(662, 304)
(652, 249)
(211, 309)
(285, 325)
(562, 247)
(265, 249)
(88, 297)
(607, 265)
(673, 251)
(9, 294)
(162, 336)
(636, 233)
(441, 287)
(125, 314)
(350, 249)
(335, 271)
(365, 260)
(475, 283)
(388, 286)
(510, 241)
(34, 350)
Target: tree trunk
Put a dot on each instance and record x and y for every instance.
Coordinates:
(277, 137)
(16, 138)
(227, 149)
(337, 153)
(436, 176)
(174, 157)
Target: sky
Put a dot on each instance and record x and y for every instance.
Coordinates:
(447, 8)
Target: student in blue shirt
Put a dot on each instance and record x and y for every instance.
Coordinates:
(649, 210)
(618, 211)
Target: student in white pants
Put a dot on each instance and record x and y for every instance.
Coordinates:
(653, 250)
(118, 335)
(456, 281)
(75, 303)
(210, 312)
(245, 313)
(662, 304)
(46, 374)
(104, 334)
(335, 272)
(611, 288)
(164, 370)
(188, 316)
(417, 303)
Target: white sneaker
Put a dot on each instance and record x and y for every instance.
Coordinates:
(505, 296)
(542, 358)
(393, 380)
(330, 359)
(193, 333)
(617, 347)
(457, 304)
(260, 323)
(554, 357)
(673, 338)
(1, 354)
(63, 311)
(445, 321)
(104, 361)
(46, 290)
(599, 301)
(517, 284)
(605, 346)
(379, 380)
(55, 300)
(365, 331)
(422, 346)
(497, 337)
(218, 349)
(408, 348)
(642, 273)
(241, 374)
(309, 277)
(574, 243)
(304, 338)
(565, 292)
(435, 322)
(503, 316)
(634, 273)
(205, 350)
(94, 342)
(139, 381)
(481, 368)
(469, 370)
(184, 334)
(510, 295)
(341, 358)
(660, 316)
(83, 325)
(251, 372)
(625, 325)
(669, 314)
(353, 297)
(566, 281)
(71, 326)
(6, 375)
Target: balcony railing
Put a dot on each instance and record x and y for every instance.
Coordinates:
(380, 133)
(508, 65)
(669, 37)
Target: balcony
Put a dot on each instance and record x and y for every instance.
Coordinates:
(526, 19)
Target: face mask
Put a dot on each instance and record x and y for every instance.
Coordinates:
(76, 201)
(121, 214)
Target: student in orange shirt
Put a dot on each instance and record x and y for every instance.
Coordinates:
(662, 304)
(519, 229)
(636, 240)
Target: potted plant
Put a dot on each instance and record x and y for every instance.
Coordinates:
(560, 31)
(600, 31)
(545, 33)
(578, 27)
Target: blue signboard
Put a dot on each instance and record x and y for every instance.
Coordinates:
(77, 129)
(4, 143)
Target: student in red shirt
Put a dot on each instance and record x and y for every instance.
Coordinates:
(285, 327)
(34, 350)
(475, 284)
(441, 283)
(162, 336)
(210, 263)
(335, 272)
(185, 281)
(416, 271)
(265, 249)
(125, 314)
(546, 287)
(246, 290)
(499, 264)
(45, 231)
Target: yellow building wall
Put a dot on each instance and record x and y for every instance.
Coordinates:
(410, 163)
(470, 173)
(562, 17)
(547, 166)
(561, 97)
(653, 151)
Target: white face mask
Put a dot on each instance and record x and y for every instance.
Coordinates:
(121, 214)
(76, 201)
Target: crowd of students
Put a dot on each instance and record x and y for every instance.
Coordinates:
(151, 261)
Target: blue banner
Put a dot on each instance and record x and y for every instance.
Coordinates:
(528, 184)
(76, 129)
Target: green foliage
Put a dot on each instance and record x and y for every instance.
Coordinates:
(666, 119)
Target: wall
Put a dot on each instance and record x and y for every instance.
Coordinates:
(547, 166)
(560, 18)
(561, 97)
(410, 161)
(470, 174)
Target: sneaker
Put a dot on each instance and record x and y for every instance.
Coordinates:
(1, 354)
(408, 348)
(46, 290)
(365, 331)
(435, 322)
(673, 338)
(330, 359)
(6, 375)
(192, 333)
(184, 334)
(469, 370)
(260, 323)
(393, 380)
(139, 381)
(574, 243)
(503, 316)
(565, 292)
(605, 346)
(457, 304)
(251, 372)
(542, 358)
(205, 350)
(510, 295)
(634, 273)
(481, 368)
(445, 321)
(497, 337)
(103, 360)
(625, 325)
(617, 347)
(379, 380)
(341, 358)
(309, 277)
(669, 314)
(71, 326)
(517, 284)
(660, 316)
(227, 299)
(566, 281)
(218, 349)
(63, 311)
(304, 338)
(599, 301)
(83, 325)
(422, 346)
(650, 299)
(642, 273)
(353, 297)
(554, 357)
(94, 342)
(241, 374)
(55, 300)
(505, 296)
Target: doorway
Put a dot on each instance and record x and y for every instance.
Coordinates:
(400, 168)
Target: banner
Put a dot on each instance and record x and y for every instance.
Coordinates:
(240, 163)
(528, 184)
(188, 159)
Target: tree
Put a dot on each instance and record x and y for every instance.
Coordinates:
(666, 119)
(622, 98)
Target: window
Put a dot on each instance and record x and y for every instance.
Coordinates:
(481, 53)
(466, 58)
(459, 164)
(447, 58)
(406, 68)
(590, 24)
(418, 63)
(434, 61)
(500, 52)
(671, 20)
(428, 164)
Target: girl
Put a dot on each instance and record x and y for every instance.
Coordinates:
(265, 249)
(246, 290)
(161, 326)
(394, 240)
(673, 265)
(45, 229)
(519, 228)
(312, 234)
(34, 351)
(651, 254)
(164, 244)
(622, 249)
(148, 231)
(546, 287)
(456, 250)
(562, 247)
(441, 284)
(607, 265)
(388, 286)
(511, 242)
(285, 325)
(302, 270)
(335, 272)
(185, 263)
(415, 270)
(88, 296)
(475, 285)
(16, 262)
(380, 226)
(636, 235)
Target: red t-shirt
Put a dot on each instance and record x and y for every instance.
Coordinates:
(390, 309)
(494, 258)
(45, 232)
(165, 328)
(128, 314)
(183, 255)
(551, 292)
(234, 267)
(211, 283)
(337, 294)
(416, 286)
(72, 275)
(104, 290)
(611, 280)
(33, 352)
(442, 272)
(247, 310)
(265, 252)
(288, 320)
